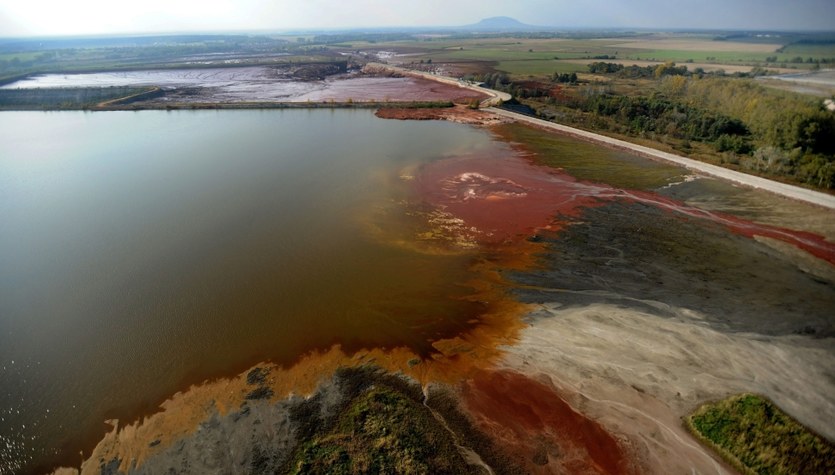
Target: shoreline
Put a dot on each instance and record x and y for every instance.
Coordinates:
(110, 106)
(494, 99)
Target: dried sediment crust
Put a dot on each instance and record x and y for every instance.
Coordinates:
(460, 114)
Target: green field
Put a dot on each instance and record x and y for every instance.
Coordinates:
(725, 57)
(517, 56)
(539, 67)
(813, 50)
(21, 56)
(533, 56)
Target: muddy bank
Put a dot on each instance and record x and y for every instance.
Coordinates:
(342, 88)
(648, 307)
(459, 113)
(314, 82)
(544, 434)
(645, 258)
(361, 419)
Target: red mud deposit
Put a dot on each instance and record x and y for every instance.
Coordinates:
(538, 428)
(459, 113)
(504, 198)
(365, 89)
(812, 243)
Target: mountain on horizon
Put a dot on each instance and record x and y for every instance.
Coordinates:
(500, 23)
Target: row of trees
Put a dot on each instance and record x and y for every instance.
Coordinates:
(794, 134)
(781, 119)
(635, 71)
(660, 115)
(757, 128)
(565, 78)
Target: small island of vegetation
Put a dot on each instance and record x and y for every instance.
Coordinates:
(756, 437)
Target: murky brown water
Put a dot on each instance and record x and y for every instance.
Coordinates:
(143, 251)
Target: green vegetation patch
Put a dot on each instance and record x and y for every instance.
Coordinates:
(757, 437)
(806, 50)
(700, 56)
(587, 161)
(382, 431)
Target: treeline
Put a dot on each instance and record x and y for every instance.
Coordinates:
(521, 89)
(666, 69)
(794, 134)
(660, 115)
(777, 118)
(565, 78)
(497, 81)
(748, 126)
(635, 71)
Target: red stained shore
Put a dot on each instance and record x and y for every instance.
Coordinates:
(507, 198)
(812, 243)
(381, 89)
(504, 198)
(459, 113)
(538, 428)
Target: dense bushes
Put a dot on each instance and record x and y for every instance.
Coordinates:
(634, 71)
(749, 126)
(660, 115)
(776, 118)
(756, 436)
(792, 134)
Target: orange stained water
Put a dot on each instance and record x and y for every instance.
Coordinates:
(141, 253)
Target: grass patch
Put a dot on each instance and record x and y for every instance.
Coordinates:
(506, 49)
(807, 50)
(756, 437)
(587, 161)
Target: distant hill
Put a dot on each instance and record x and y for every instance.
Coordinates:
(500, 23)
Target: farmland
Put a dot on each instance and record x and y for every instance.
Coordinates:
(521, 56)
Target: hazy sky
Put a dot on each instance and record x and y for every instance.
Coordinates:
(62, 17)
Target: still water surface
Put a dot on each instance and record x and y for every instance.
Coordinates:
(142, 251)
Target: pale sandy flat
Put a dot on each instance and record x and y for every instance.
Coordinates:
(638, 374)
